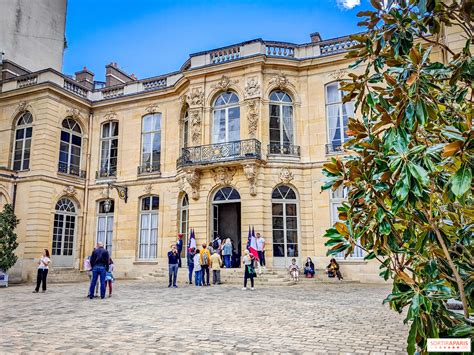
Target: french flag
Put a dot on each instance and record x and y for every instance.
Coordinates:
(192, 240)
(252, 244)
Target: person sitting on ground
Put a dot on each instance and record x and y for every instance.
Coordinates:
(333, 269)
(216, 263)
(309, 268)
(294, 270)
(197, 268)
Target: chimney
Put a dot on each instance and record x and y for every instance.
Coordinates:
(315, 37)
(116, 76)
(86, 78)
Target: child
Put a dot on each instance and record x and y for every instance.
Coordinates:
(294, 270)
(109, 277)
(197, 268)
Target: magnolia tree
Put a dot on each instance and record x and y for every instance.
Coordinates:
(409, 167)
(8, 244)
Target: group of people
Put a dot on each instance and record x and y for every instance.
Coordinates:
(332, 270)
(99, 267)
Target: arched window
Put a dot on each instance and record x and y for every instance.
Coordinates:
(70, 148)
(64, 232)
(281, 124)
(284, 224)
(337, 116)
(23, 133)
(226, 194)
(151, 142)
(105, 223)
(226, 124)
(148, 240)
(185, 130)
(184, 218)
(109, 149)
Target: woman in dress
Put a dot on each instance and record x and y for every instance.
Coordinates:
(43, 265)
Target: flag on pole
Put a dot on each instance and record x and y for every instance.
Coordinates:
(192, 240)
(252, 244)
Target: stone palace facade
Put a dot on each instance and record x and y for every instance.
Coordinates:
(236, 138)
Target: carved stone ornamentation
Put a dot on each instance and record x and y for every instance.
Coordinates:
(111, 115)
(195, 120)
(280, 81)
(252, 88)
(152, 108)
(196, 97)
(193, 179)
(70, 190)
(286, 175)
(338, 74)
(223, 176)
(148, 189)
(23, 106)
(252, 118)
(224, 83)
(74, 113)
(104, 192)
(251, 172)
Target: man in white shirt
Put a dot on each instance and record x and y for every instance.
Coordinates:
(261, 249)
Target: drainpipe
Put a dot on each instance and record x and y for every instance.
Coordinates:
(14, 193)
(85, 202)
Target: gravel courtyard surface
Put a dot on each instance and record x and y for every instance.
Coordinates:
(148, 317)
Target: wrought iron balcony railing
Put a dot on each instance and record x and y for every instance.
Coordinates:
(71, 170)
(334, 148)
(284, 149)
(106, 172)
(220, 152)
(149, 168)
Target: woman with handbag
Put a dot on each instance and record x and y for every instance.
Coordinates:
(249, 272)
(43, 266)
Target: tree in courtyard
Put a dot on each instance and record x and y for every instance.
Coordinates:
(409, 168)
(8, 244)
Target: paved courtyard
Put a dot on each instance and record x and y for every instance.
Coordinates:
(148, 317)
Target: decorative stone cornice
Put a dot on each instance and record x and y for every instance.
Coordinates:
(224, 83)
(196, 97)
(152, 108)
(252, 88)
(251, 172)
(223, 176)
(286, 175)
(252, 117)
(195, 120)
(280, 81)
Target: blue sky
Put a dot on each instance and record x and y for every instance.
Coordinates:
(152, 37)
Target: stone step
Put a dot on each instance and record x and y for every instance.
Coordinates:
(66, 275)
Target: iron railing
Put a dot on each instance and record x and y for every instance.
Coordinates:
(284, 149)
(65, 168)
(106, 172)
(334, 148)
(220, 152)
(148, 168)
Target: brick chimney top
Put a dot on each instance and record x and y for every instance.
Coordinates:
(116, 76)
(315, 37)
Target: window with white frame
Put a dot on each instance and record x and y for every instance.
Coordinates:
(281, 123)
(337, 116)
(70, 147)
(148, 240)
(22, 147)
(109, 149)
(226, 122)
(285, 222)
(185, 130)
(105, 223)
(151, 142)
(64, 227)
(338, 197)
(184, 219)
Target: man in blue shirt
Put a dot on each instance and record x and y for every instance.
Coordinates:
(100, 265)
(173, 259)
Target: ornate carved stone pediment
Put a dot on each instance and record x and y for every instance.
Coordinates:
(69, 190)
(74, 113)
(224, 83)
(152, 108)
(252, 117)
(111, 115)
(23, 106)
(281, 81)
(251, 172)
(252, 88)
(195, 120)
(286, 175)
(338, 74)
(148, 188)
(196, 97)
(223, 176)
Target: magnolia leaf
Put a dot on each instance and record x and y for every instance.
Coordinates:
(342, 229)
(404, 276)
(420, 174)
(461, 181)
(452, 148)
(411, 79)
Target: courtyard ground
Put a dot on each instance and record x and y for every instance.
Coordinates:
(149, 317)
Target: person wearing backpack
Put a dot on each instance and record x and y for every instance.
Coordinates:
(205, 263)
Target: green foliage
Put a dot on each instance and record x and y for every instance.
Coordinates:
(409, 174)
(8, 244)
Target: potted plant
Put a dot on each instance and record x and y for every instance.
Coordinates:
(8, 244)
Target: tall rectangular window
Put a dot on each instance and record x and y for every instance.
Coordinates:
(148, 240)
(151, 142)
(109, 149)
(337, 116)
(105, 224)
(22, 147)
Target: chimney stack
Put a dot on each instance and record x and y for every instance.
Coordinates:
(86, 78)
(115, 76)
(315, 37)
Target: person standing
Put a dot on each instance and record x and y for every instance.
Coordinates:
(190, 259)
(227, 253)
(43, 266)
(100, 265)
(261, 249)
(109, 276)
(216, 263)
(88, 269)
(197, 268)
(179, 247)
(249, 272)
(205, 263)
(173, 257)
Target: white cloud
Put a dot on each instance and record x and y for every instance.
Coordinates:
(348, 4)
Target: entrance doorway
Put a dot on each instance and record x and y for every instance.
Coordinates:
(225, 214)
(64, 233)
